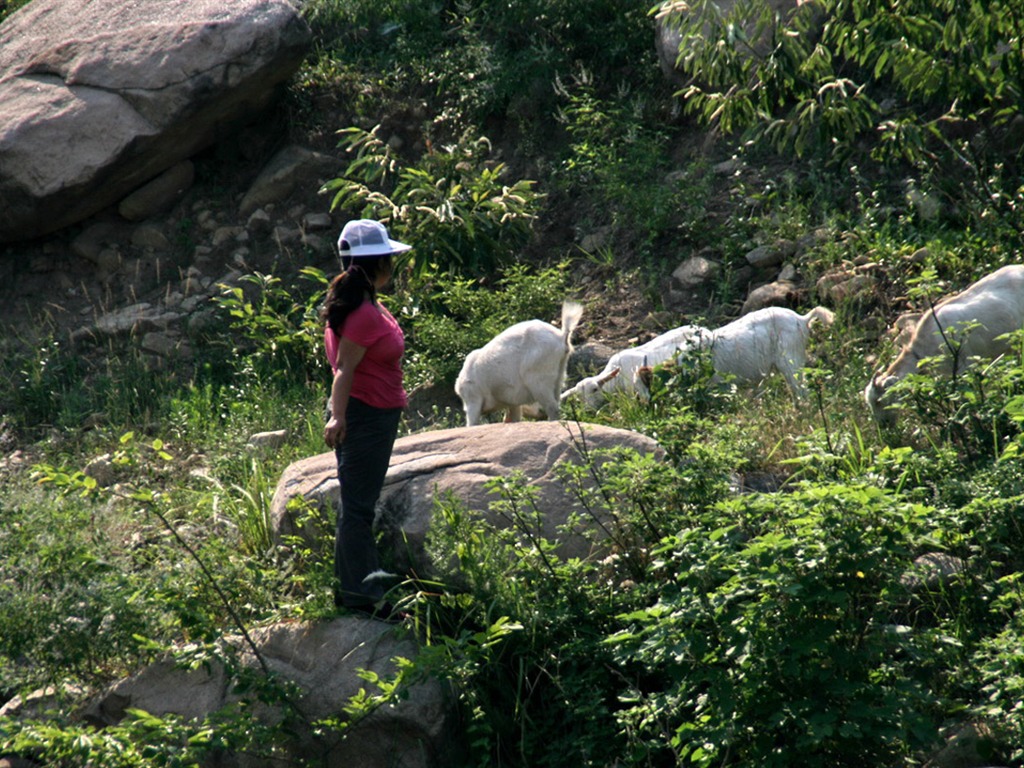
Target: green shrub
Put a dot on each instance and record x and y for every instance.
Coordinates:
(373, 29)
(1000, 662)
(526, 47)
(930, 85)
(68, 606)
(773, 633)
(143, 739)
(522, 630)
(691, 382)
(518, 635)
(44, 386)
(53, 387)
(617, 160)
(276, 335)
(978, 412)
(910, 77)
(453, 205)
(480, 60)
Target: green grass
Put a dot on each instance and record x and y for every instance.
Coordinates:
(709, 615)
(689, 560)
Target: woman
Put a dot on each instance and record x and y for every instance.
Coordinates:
(364, 345)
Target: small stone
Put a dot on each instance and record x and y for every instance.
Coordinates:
(267, 441)
(312, 222)
(159, 194)
(259, 222)
(101, 469)
(108, 260)
(150, 237)
(225, 234)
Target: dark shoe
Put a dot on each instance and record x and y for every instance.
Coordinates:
(385, 612)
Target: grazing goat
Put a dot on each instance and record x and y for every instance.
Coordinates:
(968, 324)
(770, 339)
(619, 374)
(522, 365)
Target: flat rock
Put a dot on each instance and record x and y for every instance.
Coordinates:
(430, 466)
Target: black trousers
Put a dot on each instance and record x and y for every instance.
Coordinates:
(363, 460)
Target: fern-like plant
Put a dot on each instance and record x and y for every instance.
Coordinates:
(452, 204)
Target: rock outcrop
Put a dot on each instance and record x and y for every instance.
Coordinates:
(103, 96)
(323, 661)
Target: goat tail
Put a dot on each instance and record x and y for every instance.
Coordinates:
(822, 315)
(572, 311)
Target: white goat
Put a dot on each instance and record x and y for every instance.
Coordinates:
(522, 365)
(960, 327)
(619, 374)
(769, 339)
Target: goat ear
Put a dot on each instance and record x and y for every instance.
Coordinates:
(609, 376)
(566, 394)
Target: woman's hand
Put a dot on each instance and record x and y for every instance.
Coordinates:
(334, 432)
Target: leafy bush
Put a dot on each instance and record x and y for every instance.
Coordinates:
(522, 629)
(276, 335)
(773, 633)
(1000, 662)
(513, 603)
(142, 739)
(804, 83)
(54, 387)
(67, 606)
(934, 85)
(374, 28)
(979, 411)
(690, 382)
(452, 206)
(480, 60)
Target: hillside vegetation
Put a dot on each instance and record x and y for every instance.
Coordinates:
(773, 628)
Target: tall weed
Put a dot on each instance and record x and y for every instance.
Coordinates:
(69, 606)
(276, 334)
(55, 386)
(617, 160)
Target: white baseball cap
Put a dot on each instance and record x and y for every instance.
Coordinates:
(366, 237)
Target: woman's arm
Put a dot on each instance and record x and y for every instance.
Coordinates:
(349, 356)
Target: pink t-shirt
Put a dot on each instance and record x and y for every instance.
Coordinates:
(378, 377)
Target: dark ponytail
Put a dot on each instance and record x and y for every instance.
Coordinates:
(351, 288)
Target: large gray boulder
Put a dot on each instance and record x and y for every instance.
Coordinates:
(101, 96)
(323, 660)
(431, 465)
